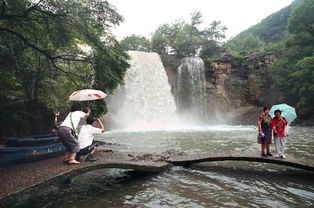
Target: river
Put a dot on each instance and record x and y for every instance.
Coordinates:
(216, 184)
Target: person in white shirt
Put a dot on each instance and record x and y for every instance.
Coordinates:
(85, 139)
(66, 130)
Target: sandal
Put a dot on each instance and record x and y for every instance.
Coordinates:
(73, 162)
(65, 160)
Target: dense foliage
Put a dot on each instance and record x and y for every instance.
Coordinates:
(244, 43)
(48, 49)
(272, 29)
(136, 43)
(294, 69)
(289, 36)
(187, 39)
(181, 38)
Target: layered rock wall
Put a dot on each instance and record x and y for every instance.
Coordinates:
(236, 87)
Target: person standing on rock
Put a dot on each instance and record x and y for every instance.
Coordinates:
(67, 133)
(265, 132)
(279, 123)
(85, 139)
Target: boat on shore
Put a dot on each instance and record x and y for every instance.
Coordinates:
(27, 149)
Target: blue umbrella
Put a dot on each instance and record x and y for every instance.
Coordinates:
(286, 111)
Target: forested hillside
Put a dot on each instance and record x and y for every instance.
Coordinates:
(272, 29)
(294, 68)
(289, 35)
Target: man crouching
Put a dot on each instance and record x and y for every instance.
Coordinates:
(85, 139)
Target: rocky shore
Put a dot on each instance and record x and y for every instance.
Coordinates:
(22, 177)
(19, 182)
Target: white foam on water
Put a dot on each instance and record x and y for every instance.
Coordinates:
(203, 128)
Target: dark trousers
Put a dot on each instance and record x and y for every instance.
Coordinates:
(86, 150)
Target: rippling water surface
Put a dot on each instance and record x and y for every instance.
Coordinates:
(218, 184)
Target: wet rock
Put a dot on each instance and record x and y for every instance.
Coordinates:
(107, 150)
(173, 153)
(107, 143)
(150, 157)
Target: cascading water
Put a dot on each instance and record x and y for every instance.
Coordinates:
(145, 101)
(190, 89)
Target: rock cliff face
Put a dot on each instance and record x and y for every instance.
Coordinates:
(223, 71)
(243, 80)
(236, 87)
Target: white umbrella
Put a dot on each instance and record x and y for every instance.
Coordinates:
(287, 111)
(87, 94)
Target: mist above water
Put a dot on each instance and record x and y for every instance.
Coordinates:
(145, 101)
(190, 89)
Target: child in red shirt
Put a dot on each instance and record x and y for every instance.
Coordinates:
(278, 124)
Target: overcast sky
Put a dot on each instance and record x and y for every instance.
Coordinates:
(142, 17)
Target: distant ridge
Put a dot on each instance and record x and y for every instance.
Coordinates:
(273, 28)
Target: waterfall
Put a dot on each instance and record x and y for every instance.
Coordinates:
(145, 100)
(190, 89)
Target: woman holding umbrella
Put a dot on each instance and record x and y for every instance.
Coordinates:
(68, 127)
(279, 123)
(282, 114)
(66, 130)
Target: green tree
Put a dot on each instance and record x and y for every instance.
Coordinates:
(301, 19)
(136, 43)
(301, 27)
(303, 80)
(164, 37)
(160, 43)
(294, 69)
(42, 55)
(187, 39)
(245, 43)
(211, 39)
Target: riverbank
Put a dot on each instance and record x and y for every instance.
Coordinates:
(25, 177)
(216, 184)
(20, 181)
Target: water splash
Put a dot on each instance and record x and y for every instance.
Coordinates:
(145, 101)
(190, 89)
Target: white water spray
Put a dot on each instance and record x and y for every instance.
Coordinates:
(190, 89)
(145, 101)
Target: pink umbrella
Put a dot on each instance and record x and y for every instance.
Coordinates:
(87, 94)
